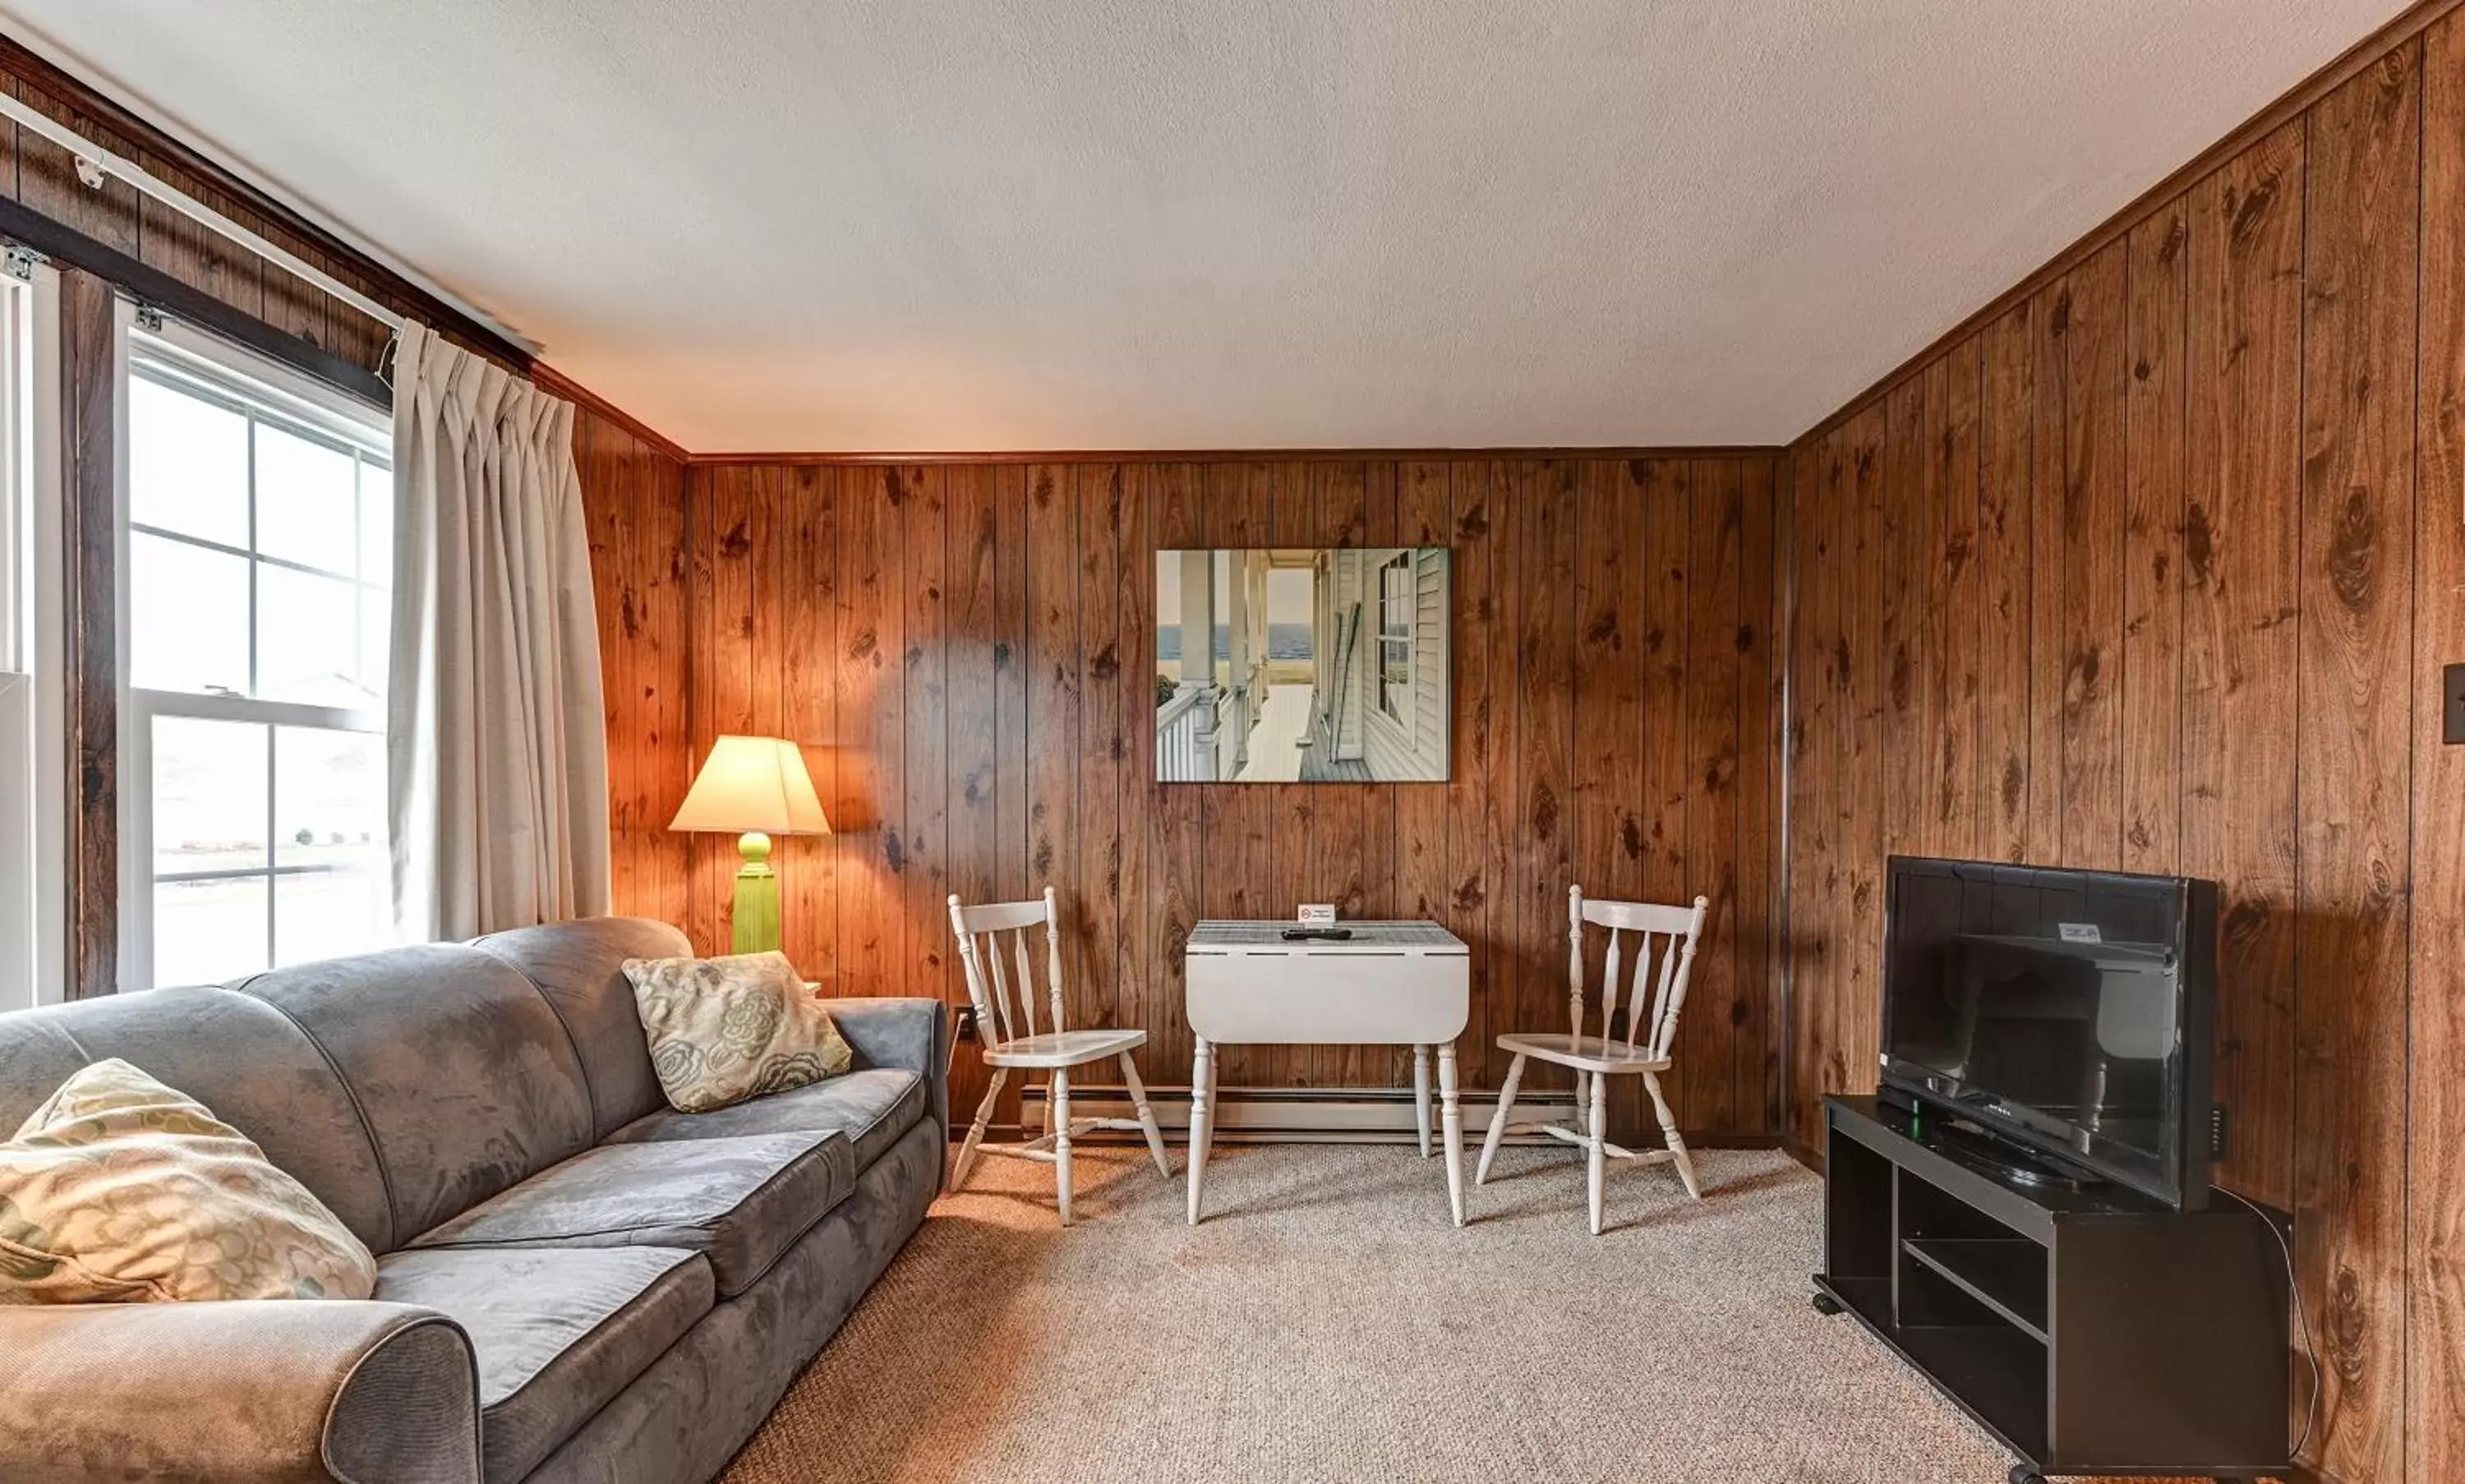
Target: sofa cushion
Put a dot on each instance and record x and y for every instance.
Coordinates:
(739, 1202)
(871, 1107)
(467, 1079)
(578, 966)
(244, 1059)
(559, 1332)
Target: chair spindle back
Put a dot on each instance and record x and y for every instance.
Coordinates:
(979, 931)
(1676, 929)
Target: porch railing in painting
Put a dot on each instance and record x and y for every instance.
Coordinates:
(1201, 733)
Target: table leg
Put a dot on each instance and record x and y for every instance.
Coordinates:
(1202, 1096)
(1452, 1118)
(1421, 1096)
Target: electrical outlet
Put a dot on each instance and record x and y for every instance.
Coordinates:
(2451, 687)
(966, 1023)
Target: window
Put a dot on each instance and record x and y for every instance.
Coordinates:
(259, 554)
(1395, 634)
(32, 776)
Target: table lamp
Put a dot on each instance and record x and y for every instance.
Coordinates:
(754, 788)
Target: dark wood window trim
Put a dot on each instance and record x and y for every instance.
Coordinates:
(89, 564)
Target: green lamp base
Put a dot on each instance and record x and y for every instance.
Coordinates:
(757, 897)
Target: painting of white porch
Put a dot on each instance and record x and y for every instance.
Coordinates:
(1301, 665)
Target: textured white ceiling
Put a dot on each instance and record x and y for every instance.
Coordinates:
(924, 225)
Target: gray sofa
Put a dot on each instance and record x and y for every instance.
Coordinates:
(574, 1280)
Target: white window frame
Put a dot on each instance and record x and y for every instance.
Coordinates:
(1395, 696)
(33, 779)
(302, 405)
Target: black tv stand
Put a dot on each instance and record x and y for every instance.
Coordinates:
(2090, 1329)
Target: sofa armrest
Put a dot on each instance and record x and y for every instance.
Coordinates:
(913, 1034)
(269, 1391)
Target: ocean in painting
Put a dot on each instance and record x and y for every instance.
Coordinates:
(1284, 641)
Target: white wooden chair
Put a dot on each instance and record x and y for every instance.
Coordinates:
(1642, 1051)
(1010, 1040)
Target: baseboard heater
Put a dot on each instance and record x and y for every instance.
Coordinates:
(1300, 1114)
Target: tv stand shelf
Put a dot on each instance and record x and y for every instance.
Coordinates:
(2092, 1330)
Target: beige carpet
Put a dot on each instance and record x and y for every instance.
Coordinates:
(1327, 1323)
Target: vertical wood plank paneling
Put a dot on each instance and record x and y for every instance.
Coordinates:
(1815, 776)
(2156, 443)
(1956, 634)
(1480, 787)
(1859, 1030)
(2241, 593)
(2239, 423)
(1906, 579)
(2087, 398)
(2362, 224)
(1055, 665)
(2435, 1164)
(1611, 632)
(1091, 941)
(981, 720)
(1141, 999)
(1716, 1001)
(974, 629)
(1763, 594)
(867, 625)
(1665, 489)
(809, 676)
(922, 869)
(2003, 531)
(1544, 513)
(1182, 848)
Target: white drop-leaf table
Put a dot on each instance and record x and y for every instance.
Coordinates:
(1391, 984)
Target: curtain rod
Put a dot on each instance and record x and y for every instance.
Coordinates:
(92, 157)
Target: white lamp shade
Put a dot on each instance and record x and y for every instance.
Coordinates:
(753, 783)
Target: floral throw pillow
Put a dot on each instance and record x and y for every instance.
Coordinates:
(727, 1028)
(123, 1190)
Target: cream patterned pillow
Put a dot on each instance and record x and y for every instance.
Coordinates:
(120, 1190)
(724, 1030)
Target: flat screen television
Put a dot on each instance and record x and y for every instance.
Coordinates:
(2067, 1011)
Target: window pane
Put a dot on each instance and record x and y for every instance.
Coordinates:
(308, 639)
(306, 496)
(329, 799)
(328, 915)
(187, 617)
(188, 464)
(209, 931)
(209, 794)
(376, 523)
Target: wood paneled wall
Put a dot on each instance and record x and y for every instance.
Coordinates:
(965, 650)
(2157, 571)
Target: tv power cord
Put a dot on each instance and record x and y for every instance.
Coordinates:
(2293, 1292)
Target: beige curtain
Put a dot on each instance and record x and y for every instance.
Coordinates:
(496, 746)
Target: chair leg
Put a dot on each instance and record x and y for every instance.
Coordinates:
(1597, 1145)
(966, 1159)
(1147, 1115)
(1059, 1104)
(1497, 1123)
(1669, 1136)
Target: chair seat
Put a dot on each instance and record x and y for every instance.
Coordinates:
(1584, 1053)
(1064, 1048)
